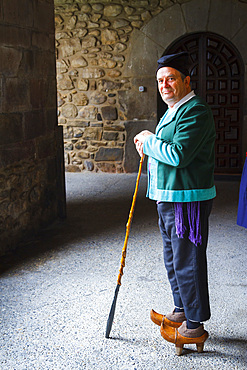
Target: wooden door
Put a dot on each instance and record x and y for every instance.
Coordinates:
(217, 75)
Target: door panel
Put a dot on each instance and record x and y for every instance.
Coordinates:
(217, 75)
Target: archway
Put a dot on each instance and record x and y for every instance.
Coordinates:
(217, 75)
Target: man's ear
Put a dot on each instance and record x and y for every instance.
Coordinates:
(187, 81)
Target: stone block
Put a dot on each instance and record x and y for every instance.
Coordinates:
(196, 14)
(14, 153)
(113, 73)
(78, 132)
(77, 123)
(97, 7)
(106, 167)
(76, 161)
(109, 37)
(43, 15)
(112, 10)
(110, 136)
(71, 22)
(15, 36)
(82, 144)
(120, 23)
(106, 85)
(89, 165)
(227, 18)
(146, 16)
(107, 63)
(88, 42)
(10, 128)
(92, 149)
(92, 133)
(140, 105)
(69, 111)
(129, 10)
(51, 122)
(92, 73)
(97, 98)
(18, 12)
(83, 84)
(173, 26)
(42, 41)
(167, 3)
(72, 168)
(78, 62)
(69, 47)
(109, 113)
(86, 8)
(61, 35)
(109, 154)
(4, 196)
(167, 26)
(33, 124)
(51, 101)
(62, 66)
(80, 99)
(240, 42)
(83, 154)
(104, 24)
(112, 101)
(120, 47)
(38, 92)
(88, 113)
(44, 63)
(64, 82)
(16, 95)
(137, 24)
(68, 146)
(58, 20)
(46, 147)
(10, 59)
(27, 65)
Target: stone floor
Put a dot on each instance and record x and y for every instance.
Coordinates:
(57, 290)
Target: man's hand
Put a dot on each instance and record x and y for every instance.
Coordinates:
(142, 136)
(139, 140)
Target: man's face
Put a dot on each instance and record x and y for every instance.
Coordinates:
(171, 86)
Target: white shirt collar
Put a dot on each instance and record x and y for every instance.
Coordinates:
(183, 100)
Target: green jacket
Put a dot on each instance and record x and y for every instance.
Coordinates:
(184, 151)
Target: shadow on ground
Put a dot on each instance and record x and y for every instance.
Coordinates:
(94, 214)
(84, 219)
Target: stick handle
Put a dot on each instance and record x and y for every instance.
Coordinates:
(124, 250)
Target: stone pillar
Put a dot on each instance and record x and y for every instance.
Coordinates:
(30, 142)
(132, 158)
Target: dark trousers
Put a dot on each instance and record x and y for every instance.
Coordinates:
(186, 263)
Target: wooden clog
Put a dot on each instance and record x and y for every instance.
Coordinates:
(157, 318)
(172, 335)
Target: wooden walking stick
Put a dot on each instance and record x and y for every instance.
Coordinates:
(124, 250)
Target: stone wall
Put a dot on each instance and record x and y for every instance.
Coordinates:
(106, 51)
(92, 43)
(31, 155)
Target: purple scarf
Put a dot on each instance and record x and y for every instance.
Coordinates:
(193, 212)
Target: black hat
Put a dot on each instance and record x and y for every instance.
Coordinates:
(179, 61)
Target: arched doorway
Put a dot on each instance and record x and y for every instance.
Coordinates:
(217, 74)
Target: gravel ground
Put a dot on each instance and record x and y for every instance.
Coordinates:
(57, 290)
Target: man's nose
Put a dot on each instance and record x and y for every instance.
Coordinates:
(164, 83)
